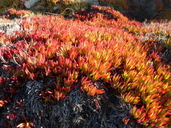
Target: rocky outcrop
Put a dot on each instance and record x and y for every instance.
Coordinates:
(140, 10)
(30, 3)
(10, 27)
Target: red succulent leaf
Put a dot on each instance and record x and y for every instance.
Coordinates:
(25, 125)
(46, 95)
(85, 80)
(7, 55)
(2, 103)
(2, 81)
(126, 120)
(19, 104)
(73, 53)
(92, 89)
(58, 95)
(65, 90)
(11, 116)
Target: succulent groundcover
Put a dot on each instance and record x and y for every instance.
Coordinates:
(98, 69)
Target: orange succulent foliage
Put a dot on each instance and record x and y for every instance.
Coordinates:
(25, 125)
(99, 46)
(17, 13)
(89, 88)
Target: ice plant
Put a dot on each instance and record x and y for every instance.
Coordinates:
(25, 125)
(98, 47)
(90, 88)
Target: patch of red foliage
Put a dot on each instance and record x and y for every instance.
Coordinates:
(101, 45)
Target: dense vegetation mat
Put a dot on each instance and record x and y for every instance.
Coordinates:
(64, 73)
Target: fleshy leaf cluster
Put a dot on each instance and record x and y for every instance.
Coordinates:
(99, 44)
